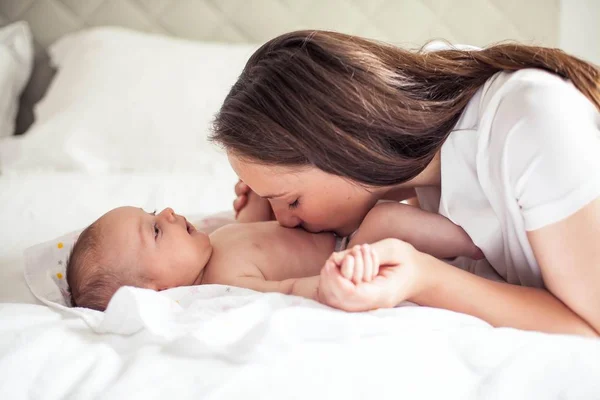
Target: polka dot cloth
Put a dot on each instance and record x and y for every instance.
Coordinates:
(45, 269)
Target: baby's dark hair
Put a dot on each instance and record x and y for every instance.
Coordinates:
(92, 281)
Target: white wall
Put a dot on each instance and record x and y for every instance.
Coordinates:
(579, 32)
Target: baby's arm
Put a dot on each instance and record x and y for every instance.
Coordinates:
(242, 272)
(428, 232)
(304, 287)
(256, 210)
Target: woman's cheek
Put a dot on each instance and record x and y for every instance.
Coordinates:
(316, 212)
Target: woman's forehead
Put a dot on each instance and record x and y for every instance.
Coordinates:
(256, 173)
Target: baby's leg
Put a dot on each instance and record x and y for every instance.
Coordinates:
(257, 209)
(428, 232)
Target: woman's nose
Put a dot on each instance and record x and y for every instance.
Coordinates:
(167, 214)
(286, 218)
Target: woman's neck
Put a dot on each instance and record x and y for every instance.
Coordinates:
(430, 176)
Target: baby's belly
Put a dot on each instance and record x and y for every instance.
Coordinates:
(282, 253)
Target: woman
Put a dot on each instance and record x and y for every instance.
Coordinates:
(502, 141)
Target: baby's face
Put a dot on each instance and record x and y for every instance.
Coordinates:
(169, 251)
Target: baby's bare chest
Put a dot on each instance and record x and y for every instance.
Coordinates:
(278, 253)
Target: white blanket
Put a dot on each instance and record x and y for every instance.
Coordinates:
(224, 343)
(216, 342)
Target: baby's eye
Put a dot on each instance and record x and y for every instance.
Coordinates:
(156, 231)
(295, 204)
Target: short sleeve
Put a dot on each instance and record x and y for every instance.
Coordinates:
(548, 135)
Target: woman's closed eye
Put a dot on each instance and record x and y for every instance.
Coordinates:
(295, 204)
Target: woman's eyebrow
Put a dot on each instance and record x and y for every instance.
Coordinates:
(272, 196)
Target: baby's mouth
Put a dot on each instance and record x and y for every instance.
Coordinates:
(190, 228)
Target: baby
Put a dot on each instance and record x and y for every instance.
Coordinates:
(128, 246)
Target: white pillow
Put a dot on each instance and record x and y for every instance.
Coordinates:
(128, 101)
(16, 62)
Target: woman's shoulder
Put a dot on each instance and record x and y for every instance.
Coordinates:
(510, 97)
(533, 93)
(534, 77)
(542, 127)
(537, 103)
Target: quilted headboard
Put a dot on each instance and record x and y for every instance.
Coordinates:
(409, 23)
(477, 22)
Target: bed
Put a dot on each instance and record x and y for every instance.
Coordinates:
(89, 145)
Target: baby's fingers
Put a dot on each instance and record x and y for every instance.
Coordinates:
(239, 203)
(368, 263)
(348, 265)
(359, 265)
(375, 261)
(338, 256)
(241, 188)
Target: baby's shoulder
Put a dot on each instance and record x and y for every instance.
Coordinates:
(238, 236)
(237, 251)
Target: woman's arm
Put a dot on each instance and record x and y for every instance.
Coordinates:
(500, 304)
(549, 158)
(571, 272)
(569, 258)
(568, 253)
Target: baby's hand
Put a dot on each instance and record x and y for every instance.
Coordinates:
(354, 280)
(368, 277)
(256, 209)
(358, 264)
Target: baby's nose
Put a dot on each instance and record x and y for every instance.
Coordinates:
(167, 214)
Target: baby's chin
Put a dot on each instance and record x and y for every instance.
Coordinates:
(202, 238)
(204, 243)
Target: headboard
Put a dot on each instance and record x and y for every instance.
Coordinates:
(477, 22)
(409, 23)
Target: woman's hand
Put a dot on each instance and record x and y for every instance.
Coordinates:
(368, 277)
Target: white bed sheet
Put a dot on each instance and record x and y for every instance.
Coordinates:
(217, 342)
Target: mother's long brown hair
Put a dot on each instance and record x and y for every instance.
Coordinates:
(366, 110)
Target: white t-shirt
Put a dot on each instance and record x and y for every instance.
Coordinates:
(525, 154)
